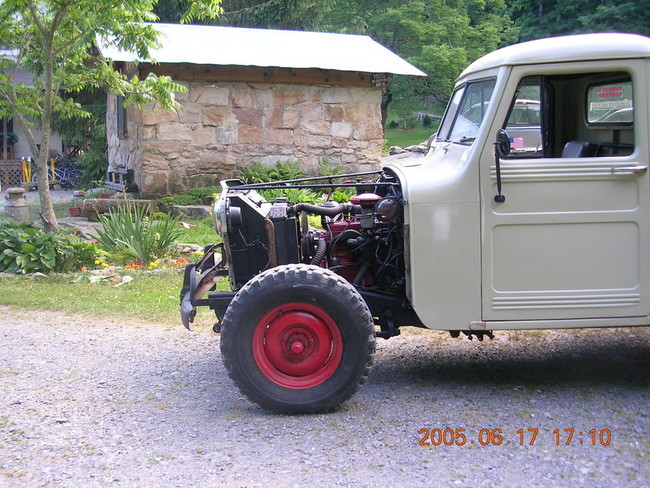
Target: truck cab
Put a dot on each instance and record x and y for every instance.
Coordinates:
(551, 236)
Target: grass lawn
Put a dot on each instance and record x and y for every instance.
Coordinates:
(151, 296)
(201, 232)
(408, 137)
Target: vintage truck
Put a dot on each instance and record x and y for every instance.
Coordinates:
(483, 233)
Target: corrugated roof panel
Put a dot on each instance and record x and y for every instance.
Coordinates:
(198, 44)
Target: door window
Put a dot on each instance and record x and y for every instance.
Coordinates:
(572, 116)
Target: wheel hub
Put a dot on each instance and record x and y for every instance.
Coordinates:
(297, 345)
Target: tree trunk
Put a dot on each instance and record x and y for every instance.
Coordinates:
(47, 209)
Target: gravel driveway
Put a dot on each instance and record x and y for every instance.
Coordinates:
(96, 403)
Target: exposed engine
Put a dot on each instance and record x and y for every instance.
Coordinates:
(361, 240)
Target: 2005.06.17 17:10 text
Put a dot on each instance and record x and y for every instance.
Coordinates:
(521, 437)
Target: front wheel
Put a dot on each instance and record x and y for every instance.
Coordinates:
(298, 339)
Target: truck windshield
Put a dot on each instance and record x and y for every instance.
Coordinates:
(466, 112)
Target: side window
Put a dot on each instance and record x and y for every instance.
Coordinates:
(576, 115)
(524, 125)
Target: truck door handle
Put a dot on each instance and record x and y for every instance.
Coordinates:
(629, 170)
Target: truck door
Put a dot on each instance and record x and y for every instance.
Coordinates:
(572, 238)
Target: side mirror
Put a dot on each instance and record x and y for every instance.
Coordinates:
(502, 144)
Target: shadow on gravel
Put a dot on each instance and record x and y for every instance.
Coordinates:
(573, 363)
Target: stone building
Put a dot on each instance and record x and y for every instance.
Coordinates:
(253, 95)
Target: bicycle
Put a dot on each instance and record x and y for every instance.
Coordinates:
(66, 173)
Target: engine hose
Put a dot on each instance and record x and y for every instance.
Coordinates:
(318, 210)
(321, 250)
(360, 274)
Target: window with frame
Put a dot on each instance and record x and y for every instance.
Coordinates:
(121, 118)
(466, 112)
(572, 116)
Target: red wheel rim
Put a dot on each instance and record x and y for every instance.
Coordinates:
(297, 346)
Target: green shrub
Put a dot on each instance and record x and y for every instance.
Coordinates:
(294, 195)
(260, 173)
(130, 229)
(325, 168)
(193, 196)
(27, 249)
(76, 253)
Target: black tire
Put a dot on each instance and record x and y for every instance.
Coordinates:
(298, 339)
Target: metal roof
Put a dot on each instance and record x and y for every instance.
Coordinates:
(212, 45)
(583, 47)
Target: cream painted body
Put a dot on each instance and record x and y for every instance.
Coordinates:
(570, 245)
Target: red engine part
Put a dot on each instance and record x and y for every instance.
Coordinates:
(340, 254)
(365, 200)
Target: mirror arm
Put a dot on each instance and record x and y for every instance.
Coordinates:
(499, 198)
(501, 148)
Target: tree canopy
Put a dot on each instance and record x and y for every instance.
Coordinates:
(546, 18)
(438, 36)
(54, 41)
(271, 14)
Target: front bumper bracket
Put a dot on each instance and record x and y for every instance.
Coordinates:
(201, 277)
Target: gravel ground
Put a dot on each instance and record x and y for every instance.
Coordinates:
(100, 403)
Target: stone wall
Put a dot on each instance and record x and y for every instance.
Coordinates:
(225, 126)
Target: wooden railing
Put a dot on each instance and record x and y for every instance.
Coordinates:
(11, 173)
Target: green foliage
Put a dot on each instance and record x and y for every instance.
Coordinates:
(455, 33)
(75, 253)
(193, 196)
(151, 297)
(130, 229)
(27, 249)
(546, 18)
(273, 14)
(87, 135)
(406, 138)
(294, 195)
(325, 168)
(201, 232)
(342, 195)
(55, 42)
(260, 173)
